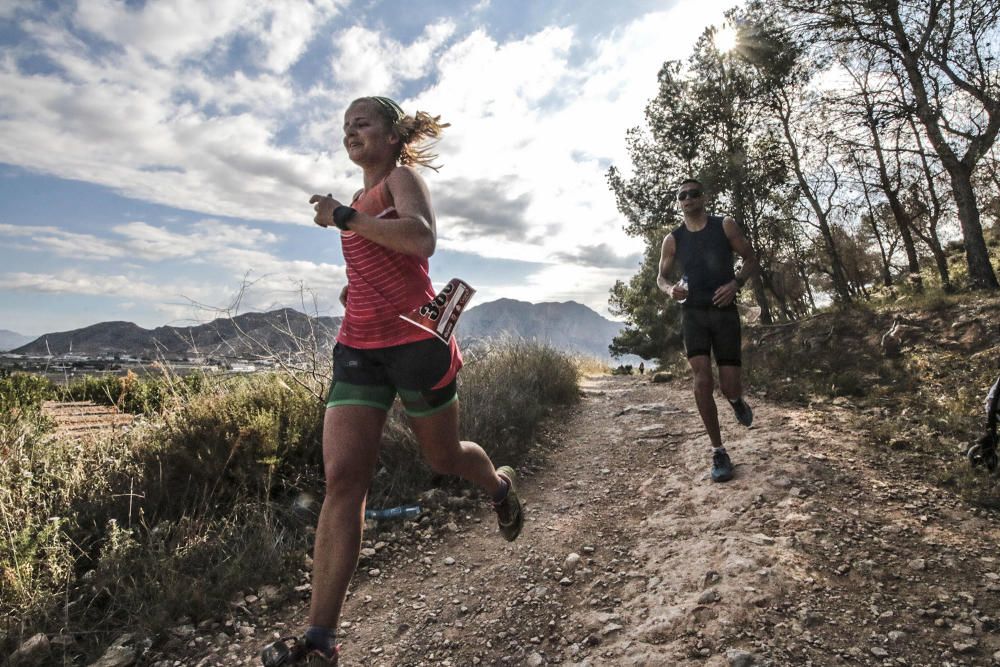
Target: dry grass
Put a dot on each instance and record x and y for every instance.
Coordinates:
(591, 366)
(923, 408)
(171, 518)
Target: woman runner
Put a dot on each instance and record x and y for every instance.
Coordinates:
(387, 234)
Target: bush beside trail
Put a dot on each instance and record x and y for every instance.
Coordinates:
(131, 393)
(170, 519)
(921, 401)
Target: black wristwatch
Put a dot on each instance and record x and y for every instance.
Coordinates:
(740, 282)
(342, 215)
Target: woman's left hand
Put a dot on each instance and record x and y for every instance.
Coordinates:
(324, 205)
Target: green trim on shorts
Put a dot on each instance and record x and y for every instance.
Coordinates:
(430, 411)
(417, 403)
(349, 401)
(372, 396)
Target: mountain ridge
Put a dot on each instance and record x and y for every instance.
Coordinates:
(567, 326)
(11, 339)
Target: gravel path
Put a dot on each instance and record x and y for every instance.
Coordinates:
(818, 553)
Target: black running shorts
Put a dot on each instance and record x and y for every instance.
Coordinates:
(712, 330)
(374, 377)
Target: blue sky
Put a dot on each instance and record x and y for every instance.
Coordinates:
(154, 156)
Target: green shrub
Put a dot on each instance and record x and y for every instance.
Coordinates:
(148, 395)
(241, 438)
(173, 517)
(23, 392)
(506, 392)
(37, 553)
(185, 568)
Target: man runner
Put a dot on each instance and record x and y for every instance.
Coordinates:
(704, 244)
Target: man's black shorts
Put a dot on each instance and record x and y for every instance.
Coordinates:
(712, 330)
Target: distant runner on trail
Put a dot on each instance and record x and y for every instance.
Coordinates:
(388, 233)
(704, 245)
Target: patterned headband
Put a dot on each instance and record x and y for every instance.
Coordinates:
(395, 111)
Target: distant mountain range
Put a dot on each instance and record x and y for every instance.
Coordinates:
(570, 327)
(244, 335)
(11, 339)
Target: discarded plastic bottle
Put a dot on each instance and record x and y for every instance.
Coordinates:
(401, 512)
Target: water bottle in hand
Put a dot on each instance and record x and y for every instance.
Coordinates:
(683, 284)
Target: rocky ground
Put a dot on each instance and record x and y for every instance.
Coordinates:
(820, 552)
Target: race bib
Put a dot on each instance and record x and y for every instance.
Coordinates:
(440, 315)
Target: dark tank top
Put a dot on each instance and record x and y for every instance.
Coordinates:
(707, 259)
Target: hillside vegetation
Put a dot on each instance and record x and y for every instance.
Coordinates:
(212, 491)
(914, 372)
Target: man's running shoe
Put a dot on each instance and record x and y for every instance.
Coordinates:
(296, 651)
(722, 467)
(744, 414)
(510, 515)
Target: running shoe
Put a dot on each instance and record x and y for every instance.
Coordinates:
(280, 654)
(722, 467)
(510, 515)
(744, 414)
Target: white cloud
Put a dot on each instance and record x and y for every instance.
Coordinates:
(288, 28)
(203, 239)
(165, 117)
(140, 240)
(166, 31)
(527, 120)
(9, 8)
(78, 282)
(236, 251)
(62, 243)
(171, 31)
(367, 63)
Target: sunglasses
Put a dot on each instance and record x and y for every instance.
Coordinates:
(693, 194)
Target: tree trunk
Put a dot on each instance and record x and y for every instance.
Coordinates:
(981, 274)
(899, 214)
(912, 261)
(933, 212)
(805, 281)
(884, 267)
(837, 273)
(739, 200)
(940, 260)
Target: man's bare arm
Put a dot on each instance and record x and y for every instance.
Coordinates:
(726, 294)
(742, 247)
(667, 250)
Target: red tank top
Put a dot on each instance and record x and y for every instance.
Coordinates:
(382, 283)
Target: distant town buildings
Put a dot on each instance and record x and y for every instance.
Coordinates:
(73, 365)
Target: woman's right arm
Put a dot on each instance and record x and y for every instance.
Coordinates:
(413, 233)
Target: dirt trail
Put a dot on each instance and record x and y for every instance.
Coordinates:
(819, 552)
